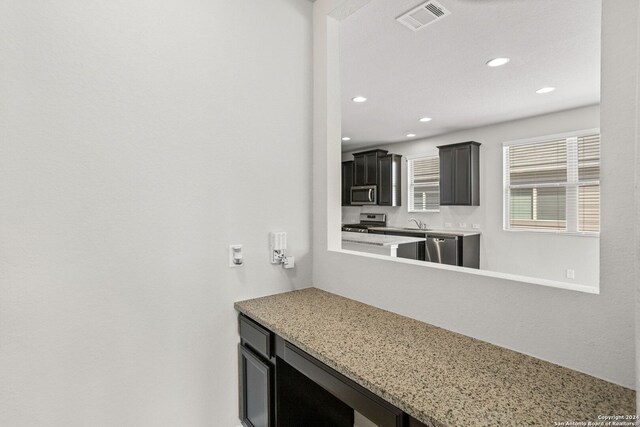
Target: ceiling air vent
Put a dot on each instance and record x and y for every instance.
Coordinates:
(423, 15)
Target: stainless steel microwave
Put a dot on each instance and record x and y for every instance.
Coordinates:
(364, 195)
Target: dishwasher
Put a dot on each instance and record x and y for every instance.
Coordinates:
(442, 249)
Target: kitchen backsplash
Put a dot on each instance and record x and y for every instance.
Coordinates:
(455, 217)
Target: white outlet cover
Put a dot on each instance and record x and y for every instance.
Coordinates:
(233, 249)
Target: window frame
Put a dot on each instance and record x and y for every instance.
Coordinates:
(409, 159)
(572, 182)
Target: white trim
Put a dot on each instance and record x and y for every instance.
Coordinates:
(486, 273)
(548, 138)
(426, 211)
(558, 232)
(571, 185)
(410, 180)
(326, 107)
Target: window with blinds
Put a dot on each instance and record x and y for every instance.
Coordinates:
(424, 184)
(553, 184)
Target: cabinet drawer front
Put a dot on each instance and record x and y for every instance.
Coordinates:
(256, 336)
(380, 412)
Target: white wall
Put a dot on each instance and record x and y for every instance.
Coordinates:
(541, 255)
(137, 141)
(637, 221)
(589, 333)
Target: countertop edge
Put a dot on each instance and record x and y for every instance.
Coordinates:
(434, 231)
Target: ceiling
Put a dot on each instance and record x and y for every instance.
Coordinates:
(440, 71)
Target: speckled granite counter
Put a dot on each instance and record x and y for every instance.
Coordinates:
(439, 377)
(378, 239)
(431, 231)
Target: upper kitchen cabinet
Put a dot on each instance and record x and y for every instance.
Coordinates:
(460, 174)
(347, 182)
(389, 177)
(365, 171)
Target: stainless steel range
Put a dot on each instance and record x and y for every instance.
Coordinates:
(367, 220)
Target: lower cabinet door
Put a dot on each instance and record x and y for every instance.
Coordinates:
(256, 390)
(408, 250)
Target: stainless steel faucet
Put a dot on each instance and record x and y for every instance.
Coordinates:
(421, 225)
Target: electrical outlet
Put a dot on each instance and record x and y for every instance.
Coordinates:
(462, 225)
(476, 226)
(447, 224)
(571, 273)
(236, 258)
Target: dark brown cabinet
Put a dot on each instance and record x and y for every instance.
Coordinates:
(389, 178)
(347, 182)
(256, 390)
(460, 174)
(365, 170)
(273, 393)
(375, 168)
(256, 371)
(283, 386)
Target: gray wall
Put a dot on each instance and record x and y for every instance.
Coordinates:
(541, 255)
(589, 333)
(137, 141)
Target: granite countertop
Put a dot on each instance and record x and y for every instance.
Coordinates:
(378, 239)
(442, 232)
(439, 377)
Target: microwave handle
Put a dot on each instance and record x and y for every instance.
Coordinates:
(371, 194)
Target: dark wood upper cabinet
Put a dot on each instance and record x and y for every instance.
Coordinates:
(389, 178)
(447, 176)
(347, 182)
(365, 170)
(358, 170)
(460, 174)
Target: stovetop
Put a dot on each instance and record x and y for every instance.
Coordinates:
(367, 220)
(358, 228)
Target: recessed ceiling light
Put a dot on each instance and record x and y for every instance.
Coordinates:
(497, 62)
(546, 90)
(359, 99)
(346, 138)
(425, 119)
(411, 135)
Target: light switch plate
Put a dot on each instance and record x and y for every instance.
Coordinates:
(236, 257)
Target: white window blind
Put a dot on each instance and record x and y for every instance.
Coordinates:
(424, 184)
(553, 184)
(589, 183)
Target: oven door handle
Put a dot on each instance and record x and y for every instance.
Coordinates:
(371, 194)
